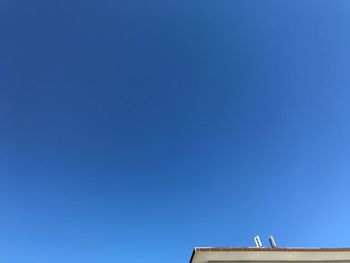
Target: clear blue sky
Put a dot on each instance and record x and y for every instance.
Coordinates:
(132, 131)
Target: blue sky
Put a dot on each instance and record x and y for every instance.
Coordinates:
(132, 131)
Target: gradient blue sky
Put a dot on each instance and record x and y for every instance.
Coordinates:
(132, 131)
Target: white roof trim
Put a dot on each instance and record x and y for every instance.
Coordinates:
(270, 256)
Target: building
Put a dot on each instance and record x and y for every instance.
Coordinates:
(270, 255)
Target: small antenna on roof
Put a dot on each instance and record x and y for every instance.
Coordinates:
(258, 242)
(272, 242)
